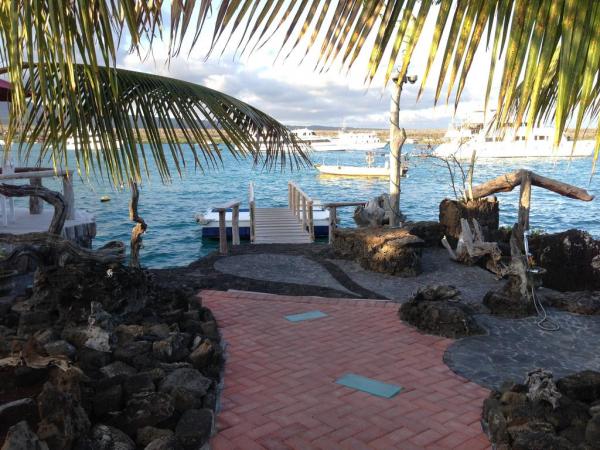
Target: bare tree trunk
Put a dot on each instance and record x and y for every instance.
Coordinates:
(139, 229)
(397, 138)
(54, 198)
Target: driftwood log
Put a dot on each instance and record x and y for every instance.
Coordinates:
(51, 249)
(472, 247)
(139, 228)
(56, 199)
(526, 179)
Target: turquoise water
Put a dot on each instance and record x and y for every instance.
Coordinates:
(173, 237)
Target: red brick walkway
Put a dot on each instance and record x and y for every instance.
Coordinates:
(279, 378)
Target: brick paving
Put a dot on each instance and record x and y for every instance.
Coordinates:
(279, 390)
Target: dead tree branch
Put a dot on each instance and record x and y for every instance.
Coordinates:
(56, 199)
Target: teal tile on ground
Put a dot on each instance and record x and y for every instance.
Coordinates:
(306, 316)
(369, 385)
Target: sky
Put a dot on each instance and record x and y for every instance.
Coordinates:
(295, 94)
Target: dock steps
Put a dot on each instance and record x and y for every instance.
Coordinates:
(278, 226)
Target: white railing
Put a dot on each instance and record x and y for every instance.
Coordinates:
(235, 224)
(35, 176)
(302, 207)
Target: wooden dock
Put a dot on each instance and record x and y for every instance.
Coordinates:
(291, 224)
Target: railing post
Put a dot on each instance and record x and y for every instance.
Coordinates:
(289, 195)
(311, 221)
(303, 212)
(69, 196)
(252, 206)
(235, 225)
(222, 233)
(36, 205)
(332, 222)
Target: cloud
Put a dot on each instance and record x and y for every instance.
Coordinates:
(295, 94)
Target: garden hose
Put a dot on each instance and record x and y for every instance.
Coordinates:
(545, 323)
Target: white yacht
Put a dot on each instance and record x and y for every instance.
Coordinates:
(343, 141)
(95, 143)
(475, 134)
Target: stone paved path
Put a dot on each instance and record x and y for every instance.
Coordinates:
(279, 388)
(513, 347)
(280, 268)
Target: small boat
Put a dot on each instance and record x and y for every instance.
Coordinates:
(209, 221)
(360, 171)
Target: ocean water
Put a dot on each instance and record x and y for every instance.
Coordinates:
(174, 239)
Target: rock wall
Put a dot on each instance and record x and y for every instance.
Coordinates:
(565, 415)
(392, 251)
(486, 211)
(101, 357)
(571, 259)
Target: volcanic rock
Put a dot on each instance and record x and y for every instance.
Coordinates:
(164, 443)
(571, 260)
(17, 411)
(438, 310)
(108, 400)
(202, 355)
(61, 347)
(146, 435)
(118, 368)
(583, 386)
(147, 409)
(21, 437)
(105, 437)
(141, 382)
(194, 428)
(394, 251)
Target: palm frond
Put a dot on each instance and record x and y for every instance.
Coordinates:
(530, 38)
(155, 107)
(61, 58)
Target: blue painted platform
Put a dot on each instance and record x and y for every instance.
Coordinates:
(306, 316)
(369, 385)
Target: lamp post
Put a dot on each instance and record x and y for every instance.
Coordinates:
(397, 137)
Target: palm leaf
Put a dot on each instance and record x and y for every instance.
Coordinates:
(154, 106)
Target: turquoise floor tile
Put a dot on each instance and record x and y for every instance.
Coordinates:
(369, 385)
(306, 316)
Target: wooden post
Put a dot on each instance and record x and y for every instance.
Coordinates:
(235, 225)
(303, 212)
(138, 230)
(222, 233)
(332, 222)
(525, 200)
(36, 205)
(69, 195)
(397, 138)
(311, 221)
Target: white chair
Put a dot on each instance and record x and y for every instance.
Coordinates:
(7, 204)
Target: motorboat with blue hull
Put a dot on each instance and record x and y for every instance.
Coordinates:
(209, 222)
